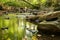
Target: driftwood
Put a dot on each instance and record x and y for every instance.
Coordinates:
(45, 16)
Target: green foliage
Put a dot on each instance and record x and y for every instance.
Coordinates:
(12, 4)
(34, 4)
(42, 2)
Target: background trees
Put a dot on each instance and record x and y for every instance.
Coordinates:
(40, 4)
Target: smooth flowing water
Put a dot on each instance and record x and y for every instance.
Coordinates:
(12, 27)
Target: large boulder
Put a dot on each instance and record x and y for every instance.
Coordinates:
(48, 23)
